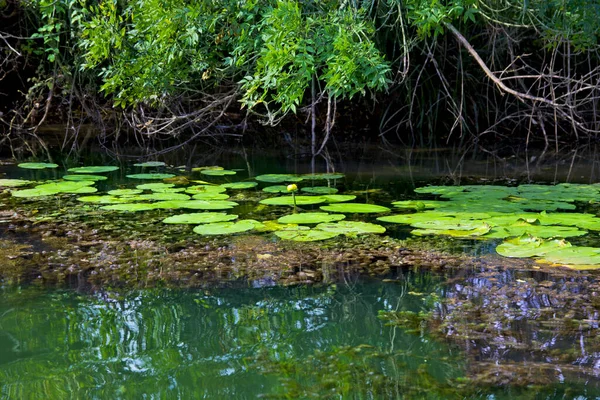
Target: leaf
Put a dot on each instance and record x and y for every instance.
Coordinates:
(37, 165)
(199, 218)
(93, 169)
(310, 218)
(355, 208)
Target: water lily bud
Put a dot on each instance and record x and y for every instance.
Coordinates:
(292, 187)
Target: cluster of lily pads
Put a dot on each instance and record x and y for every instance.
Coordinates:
(211, 199)
(531, 218)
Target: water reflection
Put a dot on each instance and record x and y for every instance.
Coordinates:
(172, 344)
(489, 331)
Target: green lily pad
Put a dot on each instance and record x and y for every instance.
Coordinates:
(541, 231)
(310, 218)
(275, 189)
(155, 186)
(529, 246)
(351, 228)
(418, 204)
(273, 226)
(211, 196)
(323, 176)
(205, 189)
(150, 176)
(124, 192)
(574, 255)
(448, 223)
(93, 169)
(319, 190)
(169, 190)
(225, 228)
(239, 185)
(14, 182)
(311, 235)
(289, 201)
(150, 164)
(35, 165)
(279, 178)
(197, 204)
(199, 169)
(103, 199)
(199, 218)
(355, 208)
(480, 230)
(130, 207)
(49, 189)
(217, 172)
(338, 198)
(164, 197)
(84, 177)
(410, 218)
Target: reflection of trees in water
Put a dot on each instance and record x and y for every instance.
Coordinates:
(524, 327)
(173, 344)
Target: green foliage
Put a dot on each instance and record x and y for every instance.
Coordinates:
(300, 44)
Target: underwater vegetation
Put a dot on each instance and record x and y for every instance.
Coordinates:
(533, 221)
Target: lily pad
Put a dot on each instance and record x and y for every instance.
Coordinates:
(225, 228)
(529, 246)
(217, 172)
(103, 199)
(338, 198)
(211, 196)
(410, 218)
(84, 177)
(164, 197)
(124, 192)
(150, 176)
(418, 204)
(239, 185)
(480, 230)
(541, 231)
(205, 189)
(355, 208)
(49, 189)
(275, 189)
(131, 207)
(93, 169)
(319, 190)
(310, 218)
(199, 218)
(150, 164)
(289, 201)
(279, 178)
(34, 165)
(311, 235)
(273, 226)
(351, 228)
(197, 204)
(449, 223)
(323, 176)
(574, 255)
(14, 182)
(155, 186)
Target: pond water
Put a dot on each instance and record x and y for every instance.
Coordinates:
(480, 327)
